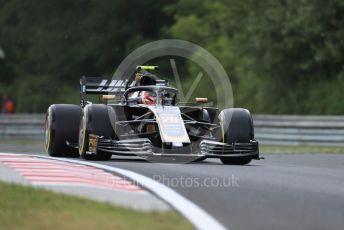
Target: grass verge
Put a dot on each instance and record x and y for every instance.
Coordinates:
(299, 149)
(21, 142)
(28, 208)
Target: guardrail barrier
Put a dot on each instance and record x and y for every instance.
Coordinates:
(269, 129)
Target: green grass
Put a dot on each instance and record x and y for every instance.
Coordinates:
(299, 149)
(21, 142)
(28, 208)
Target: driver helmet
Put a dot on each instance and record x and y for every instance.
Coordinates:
(148, 98)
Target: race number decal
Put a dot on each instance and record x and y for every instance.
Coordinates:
(171, 124)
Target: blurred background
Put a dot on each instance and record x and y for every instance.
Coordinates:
(285, 61)
(283, 57)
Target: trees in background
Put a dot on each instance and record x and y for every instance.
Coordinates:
(50, 43)
(282, 56)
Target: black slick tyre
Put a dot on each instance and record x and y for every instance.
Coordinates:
(95, 120)
(61, 128)
(237, 126)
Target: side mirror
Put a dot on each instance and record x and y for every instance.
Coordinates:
(201, 99)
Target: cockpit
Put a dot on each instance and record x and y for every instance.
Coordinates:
(151, 95)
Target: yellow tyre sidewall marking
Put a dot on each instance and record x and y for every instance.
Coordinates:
(82, 144)
(222, 128)
(48, 129)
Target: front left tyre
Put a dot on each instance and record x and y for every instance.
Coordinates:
(95, 120)
(61, 130)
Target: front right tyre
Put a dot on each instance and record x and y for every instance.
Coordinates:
(236, 126)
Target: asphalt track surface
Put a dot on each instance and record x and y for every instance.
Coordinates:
(284, 191)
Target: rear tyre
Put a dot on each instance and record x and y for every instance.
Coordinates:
(237, 126)
(61, 126)
(95, 120)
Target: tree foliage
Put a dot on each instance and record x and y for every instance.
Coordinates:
(50, 44)
(282, 56)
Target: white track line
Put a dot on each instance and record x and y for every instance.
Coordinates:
(197, 216)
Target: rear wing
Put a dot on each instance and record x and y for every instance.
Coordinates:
(100, 86)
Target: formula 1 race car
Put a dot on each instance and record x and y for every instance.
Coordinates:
(141, 117)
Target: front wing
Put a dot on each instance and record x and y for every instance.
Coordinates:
(143, 147)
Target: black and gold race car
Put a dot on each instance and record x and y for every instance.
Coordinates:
(142, 117)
